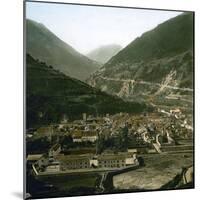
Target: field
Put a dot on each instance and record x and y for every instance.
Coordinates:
(159, 169)
(68, 182)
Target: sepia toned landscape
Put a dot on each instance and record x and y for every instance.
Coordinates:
(116, 118)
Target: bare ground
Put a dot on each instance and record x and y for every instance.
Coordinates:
(159, 169)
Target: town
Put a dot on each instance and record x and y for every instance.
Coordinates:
(107, 143)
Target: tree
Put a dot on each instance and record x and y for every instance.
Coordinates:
(66, 141)
(100, 144)
(122, 139)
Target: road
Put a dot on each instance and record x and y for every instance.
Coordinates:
(132, 81)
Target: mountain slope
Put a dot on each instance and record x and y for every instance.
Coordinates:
(46, 46)
(51, 95)
(104, 53)
(159, 63)
(167, 39)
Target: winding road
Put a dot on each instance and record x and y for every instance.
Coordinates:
(132, 81)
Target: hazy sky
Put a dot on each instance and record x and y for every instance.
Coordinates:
(87, 27)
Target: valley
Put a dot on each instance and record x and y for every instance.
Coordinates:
(114, 120)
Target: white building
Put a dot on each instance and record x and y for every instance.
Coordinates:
(53, 167)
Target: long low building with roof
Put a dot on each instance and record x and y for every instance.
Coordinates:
(86, 161)
(74, 161)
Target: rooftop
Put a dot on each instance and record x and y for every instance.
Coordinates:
(55, 147)
(66, 158)
(33, 157)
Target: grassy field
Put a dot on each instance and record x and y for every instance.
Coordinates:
(159, 169)
(67, 182)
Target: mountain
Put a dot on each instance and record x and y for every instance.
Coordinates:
(51, 95)
(159, 64)
(46, 46)
(104, 53)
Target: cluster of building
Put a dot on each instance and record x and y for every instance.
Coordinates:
(145, 128)
(55, 161)
(152, 129)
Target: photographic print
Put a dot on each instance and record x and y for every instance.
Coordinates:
(108, 99)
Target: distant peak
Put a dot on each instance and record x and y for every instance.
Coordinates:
(103, 53)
